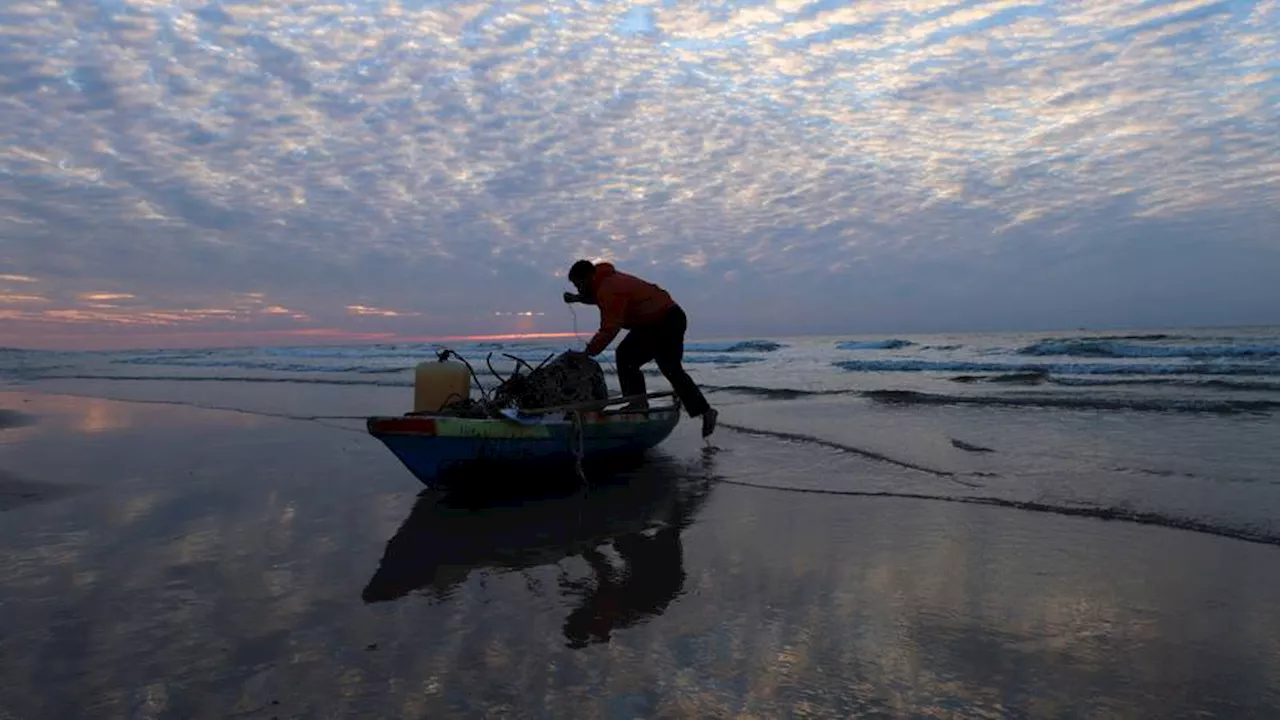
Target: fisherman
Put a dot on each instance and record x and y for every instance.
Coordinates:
(655, 325)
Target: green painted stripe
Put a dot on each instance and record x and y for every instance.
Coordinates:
(465, 428)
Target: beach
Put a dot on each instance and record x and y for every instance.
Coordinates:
(233, 544)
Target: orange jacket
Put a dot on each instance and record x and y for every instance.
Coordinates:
(625, 302)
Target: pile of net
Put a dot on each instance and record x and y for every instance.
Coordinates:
(568, 379)
(565, 380)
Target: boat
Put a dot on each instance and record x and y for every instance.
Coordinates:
(448, 435)
(436, 446)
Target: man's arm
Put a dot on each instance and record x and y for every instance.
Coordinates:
(572, 298)
(611, 310)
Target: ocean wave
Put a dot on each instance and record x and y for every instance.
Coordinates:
(894, 344)
(1042, 377)
(720, 360)
(1215, 384)
(744, 346)
(773, 393)
(962, 366)
(1114, 349)
(1031, 377)
(1134, 336)
(1225, 407)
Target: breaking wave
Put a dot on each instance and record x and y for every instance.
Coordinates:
(720, 360)
(874, 344)
(1100, 348)
(774, 393)
(1215, 384)
(1134, 336)
(911, 397)
(1030, 377)
(745, 346)
(961, 366)
(1043, 377)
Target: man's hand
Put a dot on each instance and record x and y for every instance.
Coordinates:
(571, 298)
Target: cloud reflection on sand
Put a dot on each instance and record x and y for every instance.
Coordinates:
(218, 569)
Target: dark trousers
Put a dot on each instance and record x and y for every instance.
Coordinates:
(663, 342)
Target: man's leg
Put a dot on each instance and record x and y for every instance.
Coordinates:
(633, 352)
(669, 354)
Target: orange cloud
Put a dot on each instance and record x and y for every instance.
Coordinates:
(14, 298)
(366, 311)
(503, 336)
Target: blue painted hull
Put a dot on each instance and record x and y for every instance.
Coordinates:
(438, 449)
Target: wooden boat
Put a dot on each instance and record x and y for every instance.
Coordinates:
(435, 446)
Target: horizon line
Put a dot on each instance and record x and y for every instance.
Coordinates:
(354, 339)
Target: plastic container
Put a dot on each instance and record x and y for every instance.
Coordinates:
(440, 383)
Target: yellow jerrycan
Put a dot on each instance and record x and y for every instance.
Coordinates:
(439, 383)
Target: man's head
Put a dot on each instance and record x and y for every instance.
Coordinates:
(580, 274)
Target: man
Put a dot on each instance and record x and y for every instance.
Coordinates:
(655, 325)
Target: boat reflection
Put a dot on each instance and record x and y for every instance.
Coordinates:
(638, 513)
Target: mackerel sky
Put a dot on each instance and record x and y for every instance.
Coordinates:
(190, 173)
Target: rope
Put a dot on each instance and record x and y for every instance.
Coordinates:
(577, 445)
(577, 440)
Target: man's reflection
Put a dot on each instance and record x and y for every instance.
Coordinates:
(651, 577)
(639, 516)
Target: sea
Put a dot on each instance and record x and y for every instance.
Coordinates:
(1175, 427)
(1219, 369)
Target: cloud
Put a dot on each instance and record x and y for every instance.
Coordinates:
(362, 310)
(16, 299)
(455, 158)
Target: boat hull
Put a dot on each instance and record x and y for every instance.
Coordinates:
(437, 449)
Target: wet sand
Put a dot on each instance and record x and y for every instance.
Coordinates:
(214, 564)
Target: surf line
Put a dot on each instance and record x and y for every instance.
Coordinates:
(1110, 514)
(870, 455)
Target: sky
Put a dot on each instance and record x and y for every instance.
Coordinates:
(213, 173)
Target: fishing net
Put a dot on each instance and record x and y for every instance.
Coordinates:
(568, 379)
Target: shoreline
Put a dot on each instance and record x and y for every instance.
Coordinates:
(15, 487)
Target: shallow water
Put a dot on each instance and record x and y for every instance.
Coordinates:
(187, 563)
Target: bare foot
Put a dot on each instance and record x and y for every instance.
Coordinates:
(709, 421)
